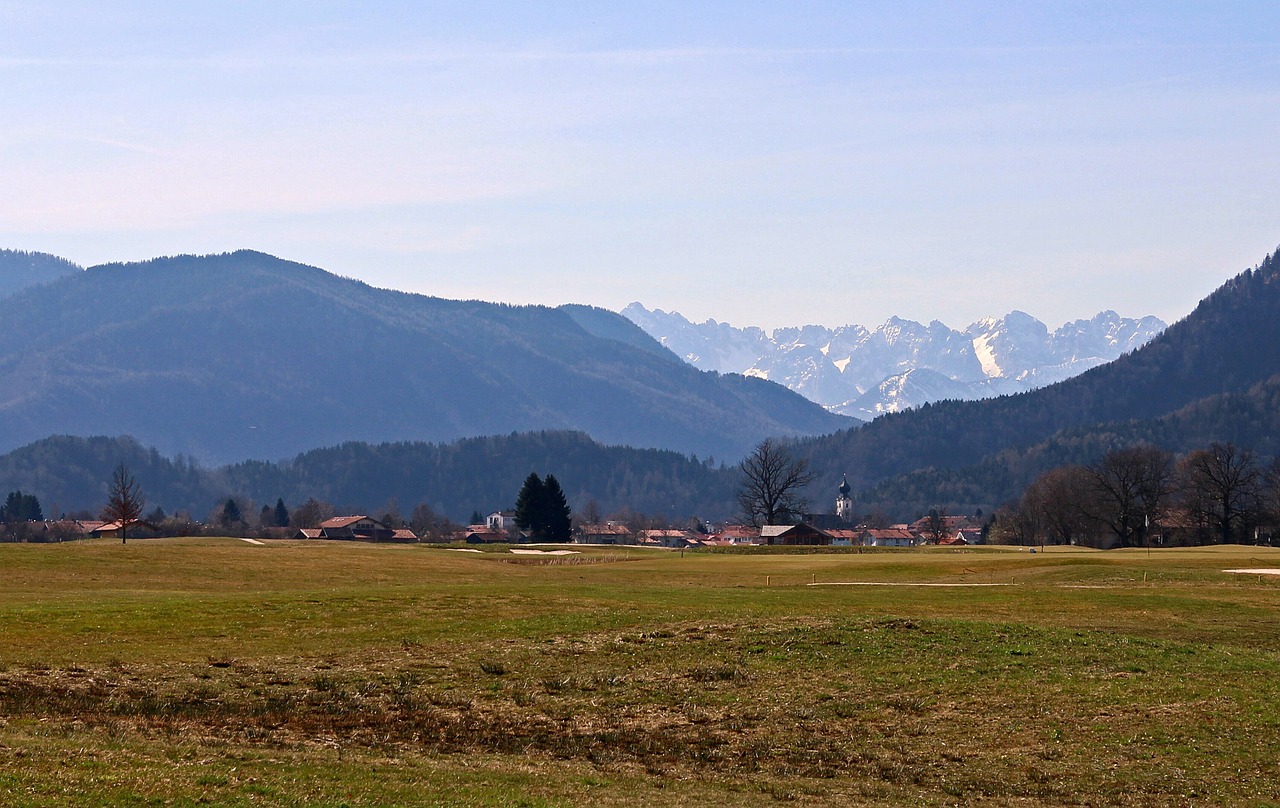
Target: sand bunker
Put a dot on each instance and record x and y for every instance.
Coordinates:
(891, 583)
(1263, 571)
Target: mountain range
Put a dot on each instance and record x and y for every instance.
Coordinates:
(245, 355)
(901, 364)
(1212, 376)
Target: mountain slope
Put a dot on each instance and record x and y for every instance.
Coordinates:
(245, 355)
(1250, 418)
(19, 269)
(1228, 344)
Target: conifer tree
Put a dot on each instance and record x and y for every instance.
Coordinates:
(556, 511)
(231, 512)
(282, 514)
(530, 503)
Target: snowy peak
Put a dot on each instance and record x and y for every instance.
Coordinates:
(706, 346)
(902, 363)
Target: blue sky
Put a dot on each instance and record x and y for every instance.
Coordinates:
(759, 163)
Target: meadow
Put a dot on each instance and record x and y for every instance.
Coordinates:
(214, 671)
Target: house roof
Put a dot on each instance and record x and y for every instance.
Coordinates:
(773, 531)
(605, 530)
(346, 521)
(404, 534)
(311, 533)
(666, 534)
(116, 525)
(738, 532)
(844, 533)
(889, 533)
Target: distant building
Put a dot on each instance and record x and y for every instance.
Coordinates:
(483, 534)
(607, 533)
(669, 538)
(843, 537)
(794, 535)
(737, 534)
(501, 520)
(355, 528)
(135, 530)
(842, 517)
(844, 503)
(886, 537)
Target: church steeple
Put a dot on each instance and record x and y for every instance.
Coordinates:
(844, 504)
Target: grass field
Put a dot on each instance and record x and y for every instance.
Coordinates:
(213, 671)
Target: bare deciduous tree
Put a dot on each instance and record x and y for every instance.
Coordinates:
(1015, 523)
(1132, 486)
(124, 500)
(1060, 500)
(935, 525)
(1224, 487)
(772, 481)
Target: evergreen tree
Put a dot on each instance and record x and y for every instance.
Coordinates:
(12, 507)
(282, 514)
(555, 511)
(530, 504)
(476, 518)
(267, 517)
(231, 512)
(20, 507)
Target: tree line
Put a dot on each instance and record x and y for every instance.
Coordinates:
(1143, 495)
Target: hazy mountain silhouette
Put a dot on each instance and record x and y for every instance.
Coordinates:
(19, 269)
(245, 355)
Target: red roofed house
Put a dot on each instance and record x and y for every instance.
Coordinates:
(608, 533)
(669, 538)
(843, 537)
(738, 534)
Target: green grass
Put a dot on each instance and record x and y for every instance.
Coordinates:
(212, 671)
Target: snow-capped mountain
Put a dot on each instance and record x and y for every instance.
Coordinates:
(901, 364)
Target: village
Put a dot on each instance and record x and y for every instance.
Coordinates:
(834, 529)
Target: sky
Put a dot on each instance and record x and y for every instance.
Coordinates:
(765, 164)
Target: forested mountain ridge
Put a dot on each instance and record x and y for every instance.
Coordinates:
(1228, 344)
(71, 473)
(245, 355)
(1249, 419)
(20, 269)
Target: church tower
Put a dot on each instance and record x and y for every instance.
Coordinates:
(844, 504)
